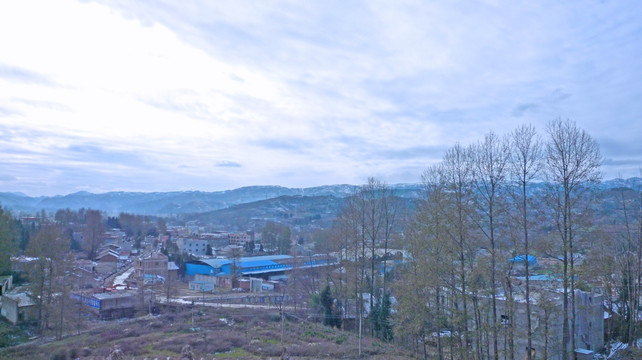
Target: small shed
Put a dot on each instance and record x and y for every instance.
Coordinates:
(18, 308)
(201, 286)
(172, 270)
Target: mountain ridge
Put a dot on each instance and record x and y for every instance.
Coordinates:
(195, 201)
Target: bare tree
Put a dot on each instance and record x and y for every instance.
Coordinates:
(372, 195)
(339, 241)
(390, 212)
(572, 161)
(421, 311)
(526, 166)
(456, 176)
(93, 233)
(49, 249)
(490, 165)
(380, 210)
(548, 313)
(8, 243)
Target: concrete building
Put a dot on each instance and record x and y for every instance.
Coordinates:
(107, 261)
(546, 323)
(154, 264)
(192, 246)
(110, 305)
(18, 307)
(201, 285)
(211, 281)
(172, 271)
(239, 238)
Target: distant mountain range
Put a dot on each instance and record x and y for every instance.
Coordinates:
(190, 202)
(175, 202)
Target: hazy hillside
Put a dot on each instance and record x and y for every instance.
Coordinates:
(190, 202)
(173, 203)
(293, 210)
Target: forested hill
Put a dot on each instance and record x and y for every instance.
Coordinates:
(176, 202)
(189, 202)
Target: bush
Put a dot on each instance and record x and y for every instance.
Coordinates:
(59, 355)
(85, 352)
(341, 339)
(263, 349)
(316, 350)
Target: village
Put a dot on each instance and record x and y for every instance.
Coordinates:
(231, 269)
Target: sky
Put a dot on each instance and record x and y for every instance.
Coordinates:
(212, 95)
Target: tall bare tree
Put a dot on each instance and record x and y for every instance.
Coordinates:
(490, 167)
(422, 310)
(526, 166)
(390, 210)
(456, 174)
(380, 210)
(49, 250)
(572, 162)
(372, 195)
(8, 241)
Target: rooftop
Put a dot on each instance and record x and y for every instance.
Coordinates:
(244, 262)
(22, 299)
(113, 295)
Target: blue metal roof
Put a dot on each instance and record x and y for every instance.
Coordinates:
(216, 263)
(265, 257)
(265, 271)
(521, 258)
(247, 265)
(258, 263)
(538, 278)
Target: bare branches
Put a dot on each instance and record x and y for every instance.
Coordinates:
(572, 161)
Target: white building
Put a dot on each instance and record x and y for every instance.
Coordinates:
(192, 246)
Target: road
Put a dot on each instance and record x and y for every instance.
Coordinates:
(232, 306)
(120, 279)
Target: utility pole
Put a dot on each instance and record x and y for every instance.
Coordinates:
(282, 327)
(282, 331)
(360, 317)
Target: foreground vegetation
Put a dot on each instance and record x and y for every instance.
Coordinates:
(214, 334)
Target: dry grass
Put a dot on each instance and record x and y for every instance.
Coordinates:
(215, 334)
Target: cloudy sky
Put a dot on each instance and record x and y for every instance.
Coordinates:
(214, 95)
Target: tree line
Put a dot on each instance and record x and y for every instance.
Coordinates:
(501, 198)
